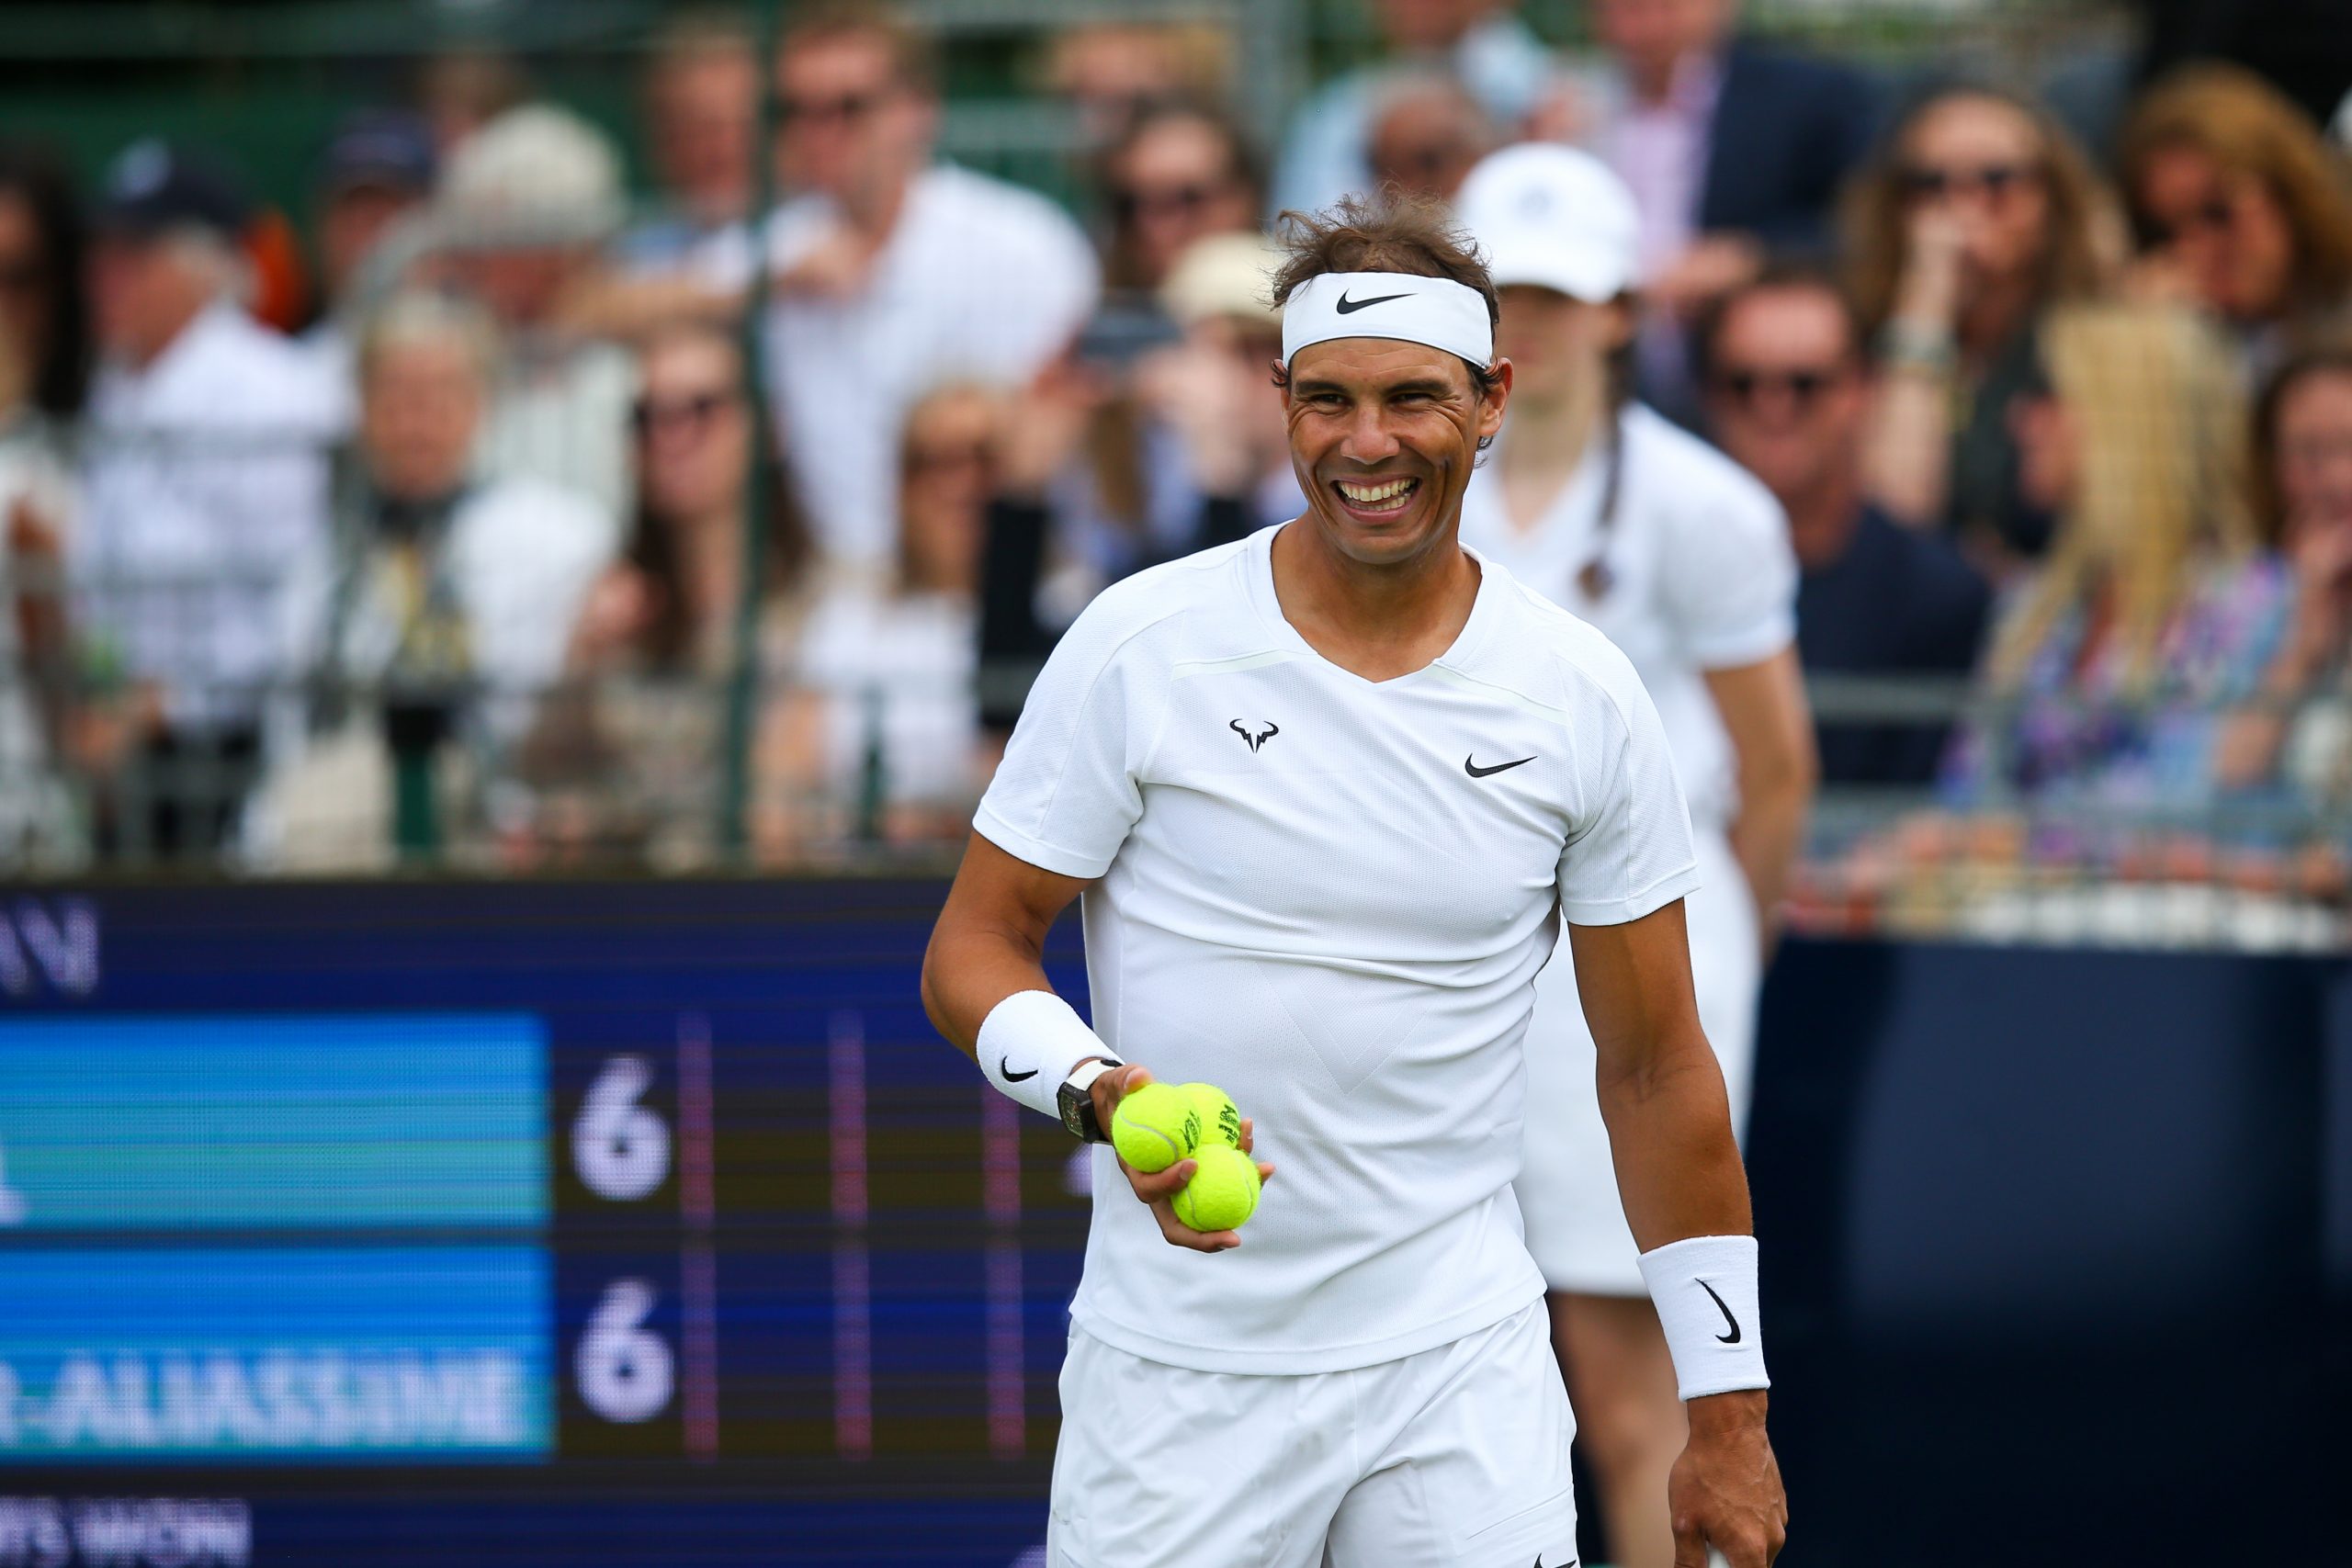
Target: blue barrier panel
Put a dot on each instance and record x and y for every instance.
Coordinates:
(2048, 1237)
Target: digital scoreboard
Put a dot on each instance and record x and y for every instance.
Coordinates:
(611, 1224)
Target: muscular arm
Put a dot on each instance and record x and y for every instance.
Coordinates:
(991, 940)
(1765, 714)
(1661, 1093)
(988, 943)
(1678, 1173)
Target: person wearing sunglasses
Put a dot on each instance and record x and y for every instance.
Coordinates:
(1786, 382)
(2241, 208)
(1607, 508)
(1975, 218)
(1180, 173)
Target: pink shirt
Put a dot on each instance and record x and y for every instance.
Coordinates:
(1659, 149)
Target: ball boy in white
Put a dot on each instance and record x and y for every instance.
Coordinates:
(1329, 794)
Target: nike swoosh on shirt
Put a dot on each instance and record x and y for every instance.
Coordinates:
(1005, 1065)
(1733, 1338)
(1476, 772)
(1347, 307)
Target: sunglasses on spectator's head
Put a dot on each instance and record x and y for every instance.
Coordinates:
(847, 107)
(1130, 202)
(1994, 182)
(1799, 386)
(652, 413)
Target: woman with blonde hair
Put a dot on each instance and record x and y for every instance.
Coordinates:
(2113, 665)
(2240, 205)
(1978, 216)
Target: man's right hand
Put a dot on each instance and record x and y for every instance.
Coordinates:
(1159, 1188)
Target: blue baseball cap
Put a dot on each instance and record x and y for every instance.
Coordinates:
(379, 149)
(152, 187)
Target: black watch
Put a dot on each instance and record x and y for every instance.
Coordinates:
(1076, 1098)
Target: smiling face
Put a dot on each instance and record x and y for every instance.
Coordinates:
(1382, 436)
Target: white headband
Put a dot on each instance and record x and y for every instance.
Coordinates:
(1435, 311)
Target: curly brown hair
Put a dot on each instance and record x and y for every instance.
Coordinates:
(1393, 232)
(2249, 127)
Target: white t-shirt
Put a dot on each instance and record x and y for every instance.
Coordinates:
(981, 280)
(904, 662)
(1307, 898)
(1698, 577)
(205, 482)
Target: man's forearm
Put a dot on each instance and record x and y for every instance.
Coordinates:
(1765, 840)
(1670, 1138)
(967, 972)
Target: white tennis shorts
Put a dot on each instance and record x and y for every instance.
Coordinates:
(1455, 1458)
(1567, 1188)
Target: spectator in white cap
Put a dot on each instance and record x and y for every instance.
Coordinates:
(526, 206)
(1618, 515)
(205, 478)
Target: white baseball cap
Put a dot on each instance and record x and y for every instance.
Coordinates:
(1554, 217)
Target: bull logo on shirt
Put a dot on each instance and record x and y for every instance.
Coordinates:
(1256, 738)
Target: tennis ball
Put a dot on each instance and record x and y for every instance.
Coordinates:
(1155, 1127)
(1223, 1192)
(1220, 1123)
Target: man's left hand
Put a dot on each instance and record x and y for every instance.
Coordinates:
(1725, 1489)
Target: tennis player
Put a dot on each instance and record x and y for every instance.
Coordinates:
(1327, 794)
(1602, 505)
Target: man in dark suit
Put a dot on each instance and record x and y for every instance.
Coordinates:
(1782, 363)
(1732, 150)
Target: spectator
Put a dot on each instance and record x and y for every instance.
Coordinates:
(1730, 149)
(461, 90)
(1190, 449)
(702, 126)
(2240, 206)
(441, 613)
(1427, 131)
(1180, 173)
(2114, 662)
(633, 758)
(2300, 731)
(1326, 152)
(45, 356)
(526, 207)
(1786, 382)
(205, 480)
(1974, 221)
(1110, 73)
(882, 741)
(892, 273)
(375, 174)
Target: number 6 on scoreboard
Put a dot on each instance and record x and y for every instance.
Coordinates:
(621, 1147)
(624, 1368)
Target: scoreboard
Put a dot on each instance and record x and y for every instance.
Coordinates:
(615, 1223)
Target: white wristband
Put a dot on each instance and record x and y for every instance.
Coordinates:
(1704, 1288)
(1029, 1043)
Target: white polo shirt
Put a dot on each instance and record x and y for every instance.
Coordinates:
(1699, 576)
(1331, 895)
(980, 280)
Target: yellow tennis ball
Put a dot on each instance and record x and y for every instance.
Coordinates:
(1220, 1123)
(1155, 1127)
(1223, 1192)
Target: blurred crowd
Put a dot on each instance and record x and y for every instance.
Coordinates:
(487, 508)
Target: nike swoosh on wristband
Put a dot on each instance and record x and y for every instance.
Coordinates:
(1733, 1338)
(1347, 307)
(1476, 772)
(1005, 1065)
